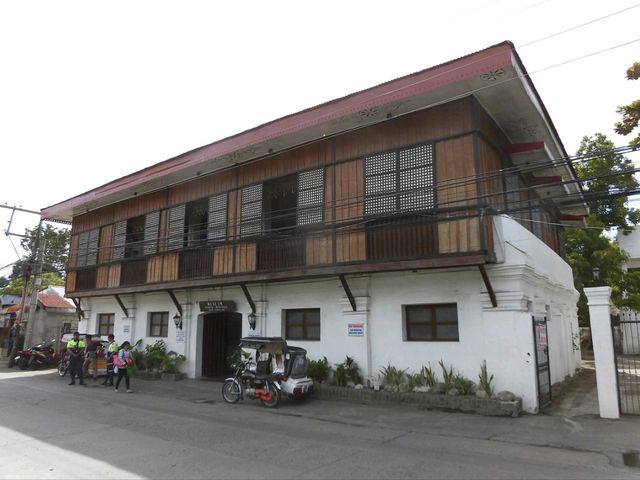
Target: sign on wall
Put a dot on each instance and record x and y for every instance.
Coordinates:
(217, 306)
(180, 336)
(355, 329)
(126, 328)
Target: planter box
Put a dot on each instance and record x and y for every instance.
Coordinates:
(172, 377)
(428, 401)
(148, 375)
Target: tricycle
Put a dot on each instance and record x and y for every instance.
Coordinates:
(273, 369)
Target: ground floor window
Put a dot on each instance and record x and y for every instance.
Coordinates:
(431, 322)
(302, 324)
(158, 324)
(105, 323)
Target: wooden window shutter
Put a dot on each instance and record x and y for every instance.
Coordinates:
(416, 178)
(92, 248)
(251, 211)
(176, 227)
(119, 240)
(151, 231)
(310, 197)
(217, 228)
(83, 247)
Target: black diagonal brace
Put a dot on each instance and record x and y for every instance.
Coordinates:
(175, 301)
(347, 290)
(487, 283)
(79, 311)
(248, 295)
(124, 309)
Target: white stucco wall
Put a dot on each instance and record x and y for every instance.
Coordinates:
(529, 280)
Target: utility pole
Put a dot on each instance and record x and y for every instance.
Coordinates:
(38, 260)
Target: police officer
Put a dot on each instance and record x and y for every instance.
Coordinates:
(76, 348)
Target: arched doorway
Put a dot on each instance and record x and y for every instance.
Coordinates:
(221, 332)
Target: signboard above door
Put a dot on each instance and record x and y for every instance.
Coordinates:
(217, 306)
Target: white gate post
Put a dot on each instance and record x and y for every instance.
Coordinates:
(598, 299)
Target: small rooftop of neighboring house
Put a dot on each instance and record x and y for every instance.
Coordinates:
(50, 298)
(8, 300)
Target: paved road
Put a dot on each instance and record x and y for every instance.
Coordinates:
(184, 430)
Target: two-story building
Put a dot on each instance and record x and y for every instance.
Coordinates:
(418, 220)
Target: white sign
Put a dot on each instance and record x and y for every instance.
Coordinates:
(126, 328)
(355, 329)
(180, 336)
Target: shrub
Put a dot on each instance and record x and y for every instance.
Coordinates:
(154, 354)
(318, 370)
(485, 379)
(352, 370)
(393, 376)
(340, 375)
(171, 362)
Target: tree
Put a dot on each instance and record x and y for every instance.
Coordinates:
(56, 251)
(630, 113)
(605, 177)
(16, 286)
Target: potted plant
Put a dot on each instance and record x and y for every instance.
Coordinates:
(170, 366)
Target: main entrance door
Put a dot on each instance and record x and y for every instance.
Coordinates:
(542, 361)
(220, 333)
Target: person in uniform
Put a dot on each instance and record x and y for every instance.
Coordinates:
(76, 348)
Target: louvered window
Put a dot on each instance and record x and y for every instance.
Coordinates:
(175, 239)
(151, 231)
(217, 228)
(310, 197)
(251, 211)
(88, 248)
(400, 181)
(119, 240)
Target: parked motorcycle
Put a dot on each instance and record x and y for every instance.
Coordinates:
(255, 384)
(43, 356)
(40, 355)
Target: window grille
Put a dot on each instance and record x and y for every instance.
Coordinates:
(310, 197)
(251, 211)
(88, 248)
(402, 180)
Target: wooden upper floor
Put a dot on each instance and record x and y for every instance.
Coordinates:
(417, 191)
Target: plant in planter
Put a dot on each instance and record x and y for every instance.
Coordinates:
(447, 377)
(340, 375)
(394, 377)
(171, 362)
(352, 370)
(318, 370)
(463, 385)
(485, 380)
(154, 354)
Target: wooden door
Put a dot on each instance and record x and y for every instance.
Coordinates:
(220, 334)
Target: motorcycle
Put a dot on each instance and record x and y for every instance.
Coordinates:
(254, 383)
(43, 356)
(37, 356)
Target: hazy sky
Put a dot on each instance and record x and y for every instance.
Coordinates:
(91, 91)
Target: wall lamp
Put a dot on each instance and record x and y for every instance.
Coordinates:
(177, 319)
(596, 275)
(252, 321)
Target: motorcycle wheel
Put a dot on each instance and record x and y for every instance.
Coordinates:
(62, 369)
(23, 363)
(231, 391)
(275, 397)
(11, 362)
